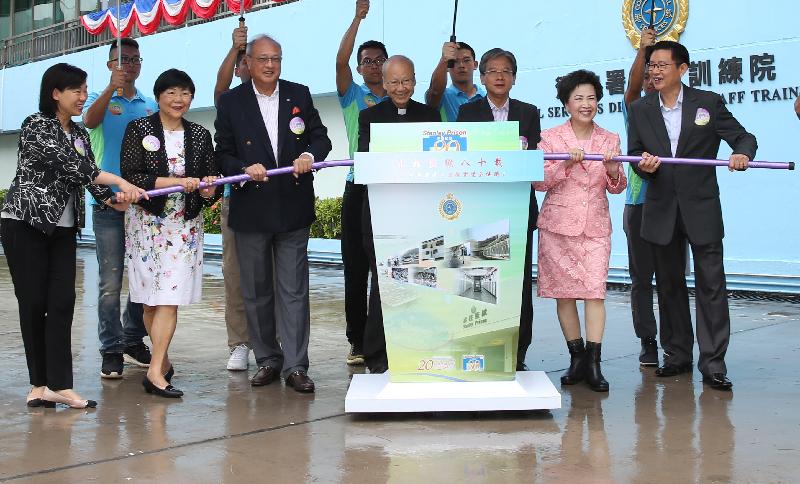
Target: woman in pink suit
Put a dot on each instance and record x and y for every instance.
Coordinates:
(574, 224)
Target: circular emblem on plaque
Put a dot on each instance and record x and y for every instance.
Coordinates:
(450, 207)
(668, 18)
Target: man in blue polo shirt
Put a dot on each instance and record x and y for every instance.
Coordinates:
(106, 114)
(641, 265)
(463, 88)
(370, 58)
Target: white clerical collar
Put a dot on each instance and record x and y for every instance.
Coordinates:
(402, 111)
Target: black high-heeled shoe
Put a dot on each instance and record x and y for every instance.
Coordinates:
(167, 392)
(38, 402)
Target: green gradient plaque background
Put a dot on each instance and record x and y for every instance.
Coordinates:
(450, 256)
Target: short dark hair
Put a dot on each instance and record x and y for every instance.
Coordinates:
(464, 45)
(239, 56)
(370, 44)
(680, 54)
(495, 53)
(126, 42)
(567, 84)
(60, 76)
(172, 78)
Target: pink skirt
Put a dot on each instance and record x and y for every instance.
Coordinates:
(572, 267)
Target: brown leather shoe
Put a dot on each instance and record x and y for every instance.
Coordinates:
(264, 376)
(300, 382)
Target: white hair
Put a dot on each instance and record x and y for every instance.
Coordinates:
(258, 38)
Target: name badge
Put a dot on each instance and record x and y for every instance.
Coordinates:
(702, 117)
(297, 125)
(151, 143)
(80, 147)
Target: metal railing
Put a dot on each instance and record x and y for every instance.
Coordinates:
(67, 37)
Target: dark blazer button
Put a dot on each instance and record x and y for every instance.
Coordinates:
(248, 142)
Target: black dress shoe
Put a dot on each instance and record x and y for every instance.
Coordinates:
(167, 392)
(300, 382)
(378, 368)
(169, 374)
(718, 381)
(672, 370)
(264, 376)
(648, 356)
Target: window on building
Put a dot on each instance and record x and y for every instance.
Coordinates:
(5, 19)
(91, 6)
(23, 16)
(42, 13)
(66, 10)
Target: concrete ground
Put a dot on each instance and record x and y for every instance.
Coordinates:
(645, 430)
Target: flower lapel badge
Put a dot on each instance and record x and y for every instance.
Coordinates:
(702, 117)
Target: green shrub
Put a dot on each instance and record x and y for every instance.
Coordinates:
(2, 197)
(212, 218)
(327, 226)
(329, 218)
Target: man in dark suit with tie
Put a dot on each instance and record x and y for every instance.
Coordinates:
(682, 201)
(399, 81)
(271, 123)
(498, 70)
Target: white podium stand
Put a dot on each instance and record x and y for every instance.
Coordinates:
(531, 390)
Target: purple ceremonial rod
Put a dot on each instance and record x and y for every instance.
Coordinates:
(789, 165)
(241, 178)
(548, 156)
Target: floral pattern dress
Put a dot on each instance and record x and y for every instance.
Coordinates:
(165, 258)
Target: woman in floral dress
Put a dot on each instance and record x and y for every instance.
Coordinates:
(164, 235)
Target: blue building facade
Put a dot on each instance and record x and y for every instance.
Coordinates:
(747, 51)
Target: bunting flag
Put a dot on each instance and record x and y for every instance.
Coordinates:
(147, 14)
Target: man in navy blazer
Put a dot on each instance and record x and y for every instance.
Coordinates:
(498, 70)
(263, 124)
(682, 202)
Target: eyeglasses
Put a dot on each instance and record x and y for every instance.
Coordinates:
(276, 59)
(496, 73)
(405, 83)
(134, 61)
(466, 61)
(378, 61)
(661, 66)
(177, 94)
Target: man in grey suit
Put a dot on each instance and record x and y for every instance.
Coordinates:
(682, 201)
(268, 122)
(498, 70)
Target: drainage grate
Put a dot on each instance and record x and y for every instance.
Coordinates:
(736, 295)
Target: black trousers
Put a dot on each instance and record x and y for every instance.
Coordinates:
(356, 264)
(526, 309)
(374, 337)
(43, 272)
(641, 267)
(713, 317)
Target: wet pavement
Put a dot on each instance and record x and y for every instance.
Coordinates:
(645, 430)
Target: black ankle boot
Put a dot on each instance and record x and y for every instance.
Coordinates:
(577, 355)
(594, 377)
